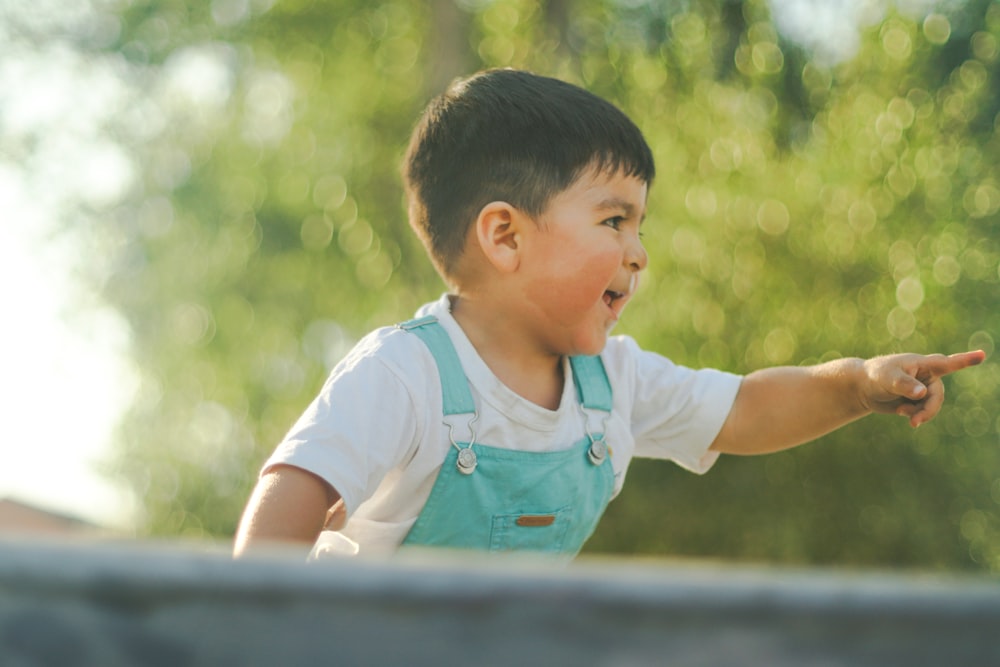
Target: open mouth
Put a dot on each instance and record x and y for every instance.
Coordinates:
(611, 296)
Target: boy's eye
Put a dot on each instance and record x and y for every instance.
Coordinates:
(614, 222)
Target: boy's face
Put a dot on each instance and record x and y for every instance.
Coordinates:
(584, 263)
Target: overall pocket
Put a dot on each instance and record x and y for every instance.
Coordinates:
(541, 531)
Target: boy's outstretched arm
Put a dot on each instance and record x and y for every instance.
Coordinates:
(288, 507)
(778, 408)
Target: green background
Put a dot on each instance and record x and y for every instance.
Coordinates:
(805, 208)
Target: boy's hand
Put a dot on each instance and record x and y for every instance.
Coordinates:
(910, 385)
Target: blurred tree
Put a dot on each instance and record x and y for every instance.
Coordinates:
(820, 211)
(803, 210)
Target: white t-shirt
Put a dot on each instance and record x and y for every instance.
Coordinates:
(376, 431)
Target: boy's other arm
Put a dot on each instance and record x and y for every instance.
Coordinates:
(287, 507)
(778, 408)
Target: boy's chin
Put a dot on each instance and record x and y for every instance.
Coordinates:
(590, 347)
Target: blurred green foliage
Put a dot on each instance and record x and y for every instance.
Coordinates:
(803, 210)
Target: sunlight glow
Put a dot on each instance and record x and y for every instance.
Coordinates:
(65, 380)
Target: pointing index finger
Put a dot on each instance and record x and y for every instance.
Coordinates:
(956, 362)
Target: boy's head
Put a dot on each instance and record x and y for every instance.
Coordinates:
(513, 136)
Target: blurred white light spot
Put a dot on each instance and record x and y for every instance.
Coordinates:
(199, 75)
(773, 217)
(268, 107)
(105, 175)
(910, 293)
(230, 12)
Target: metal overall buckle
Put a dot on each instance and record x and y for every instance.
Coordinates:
(598, 450)
(467, 459)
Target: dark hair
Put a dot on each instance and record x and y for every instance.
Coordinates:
(508, 135)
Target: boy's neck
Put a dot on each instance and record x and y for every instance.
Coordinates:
(530, 372)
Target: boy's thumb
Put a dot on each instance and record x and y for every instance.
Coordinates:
(916, 389)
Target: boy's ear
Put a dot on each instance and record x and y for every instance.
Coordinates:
(498, 231)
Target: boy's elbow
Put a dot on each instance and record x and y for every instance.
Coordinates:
(286, 511)
(732, 437)
(725, 441)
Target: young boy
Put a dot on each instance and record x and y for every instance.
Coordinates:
(504, 417)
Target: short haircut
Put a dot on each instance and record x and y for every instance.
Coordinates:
(513, 136)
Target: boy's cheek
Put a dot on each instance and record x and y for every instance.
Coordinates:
(575, 278)
(580, 289)
(564, 302)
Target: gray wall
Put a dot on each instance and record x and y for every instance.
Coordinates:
(106, 604)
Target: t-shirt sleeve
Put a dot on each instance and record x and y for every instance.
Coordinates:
(361, 425)
(676, 412)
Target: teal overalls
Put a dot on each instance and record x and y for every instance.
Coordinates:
(494, 499)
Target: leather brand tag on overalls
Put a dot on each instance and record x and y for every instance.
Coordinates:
(536, 520)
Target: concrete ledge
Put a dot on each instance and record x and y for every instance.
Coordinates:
(142, 604)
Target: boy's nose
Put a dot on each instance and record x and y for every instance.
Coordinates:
(635, 255)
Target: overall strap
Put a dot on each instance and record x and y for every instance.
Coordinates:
(589, 376)
(591, 380)
(455, 394)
